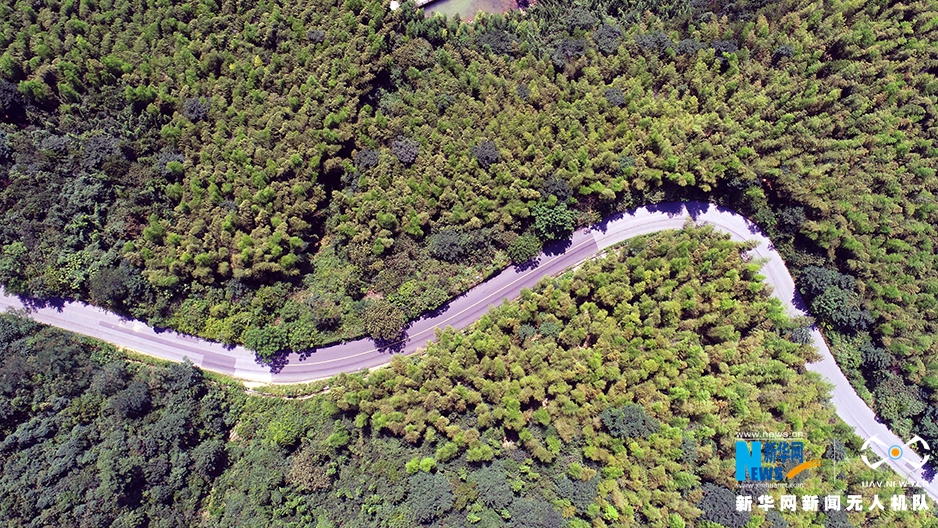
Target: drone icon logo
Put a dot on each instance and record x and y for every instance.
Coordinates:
(894, 452)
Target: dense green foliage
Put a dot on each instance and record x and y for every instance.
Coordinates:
(614, 412)
(523, 249)
(614, 392)
(259, 172)
(91, 440)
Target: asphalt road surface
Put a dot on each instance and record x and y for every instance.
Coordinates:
(464, 310)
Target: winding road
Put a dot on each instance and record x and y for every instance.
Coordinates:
(464, 310)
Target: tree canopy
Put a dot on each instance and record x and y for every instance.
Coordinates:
(621, 405)
(223, 167)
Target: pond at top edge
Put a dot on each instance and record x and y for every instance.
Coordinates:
(467, 9)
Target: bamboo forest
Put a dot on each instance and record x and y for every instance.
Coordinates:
(288, 176)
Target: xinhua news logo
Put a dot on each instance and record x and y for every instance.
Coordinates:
(766, 462)
(894, 452)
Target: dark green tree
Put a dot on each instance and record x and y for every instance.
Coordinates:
(405, 149)
(492, 483)
(530, 513)
(524, 248)
(719, 506)
(486, 153)
(431, 496)
(266, 341)
(629, 421)
(553, 222)
(449, 245)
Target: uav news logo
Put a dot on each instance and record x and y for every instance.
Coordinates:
(766, 462)
(895, 452)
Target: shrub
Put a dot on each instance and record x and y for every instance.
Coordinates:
(530, 513)
(782, 52)
(452, 245)
(688, 450)
(109, 285)
(875, 358)
(790, 220)
(625, 163)
(555, 186)
(801, 335)
(4, 146)
(580, 18)
(12, 103)
(842, 309)
(444, 101)
(56, 145)
(498, 41)
(581, 494)
(836, 519)
(688, 47)
(722, 47)
(96, 149)
(134, 401)
(164, 162)
(366, 158)
(266, 340)
(836, 451)
(815, 280)
(523, 92)
(415, 53)
(309, 469)
(209, 457)
(449, 245)
(492, 483)
(550, 329)
(776, 520)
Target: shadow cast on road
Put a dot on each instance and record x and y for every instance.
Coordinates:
(276, 363)
(393, 346)
(33, 304)
(928, 472)
(697, 209)
(279, 361)
(557, 247)
(603, 226)
(671, 209)
(694, 209)
(529, 265)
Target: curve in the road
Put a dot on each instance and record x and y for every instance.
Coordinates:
(464, 310)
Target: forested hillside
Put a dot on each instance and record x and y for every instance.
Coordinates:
(90, 439)
(285, 175)
(609, 396)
